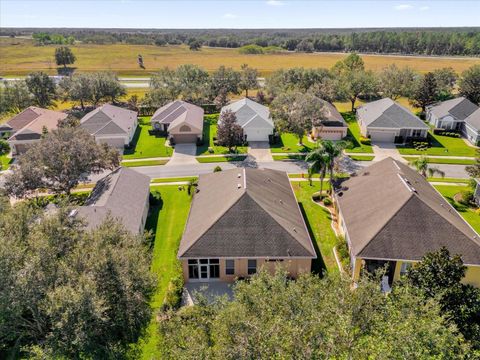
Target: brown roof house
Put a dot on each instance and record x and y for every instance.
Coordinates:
(123, 195)
(28, 126)
(333, 127)
(241, 220)
(390, 215)
(183, 121)
(112, 125)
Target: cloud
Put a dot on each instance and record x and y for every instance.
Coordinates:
(230, 16)
(403, 7)
(274, 2)
(424, 8)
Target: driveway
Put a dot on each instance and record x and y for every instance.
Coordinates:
(184, 154)
(259, 151)
(383, 150)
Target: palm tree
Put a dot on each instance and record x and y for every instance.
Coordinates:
(421, 164)
(317, 163)
(332, 151)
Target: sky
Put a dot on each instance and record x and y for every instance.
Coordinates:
(237, 14)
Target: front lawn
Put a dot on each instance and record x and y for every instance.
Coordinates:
(289, 144)
(166, 221)
(288, 157)
(448, 192)
(445, 160)
(362, 157)
(354, 135)
(209, 132)
(143, 163)
(5, 162)
(318, 221)
(145, 145)
(442, 146)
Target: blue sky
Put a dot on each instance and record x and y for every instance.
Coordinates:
(237, 14)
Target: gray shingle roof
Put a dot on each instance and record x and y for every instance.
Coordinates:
(474, 119)
(247, 110)
(460, 108)
(122, 194)
(101, 119)
(178, 113)
(245, 213)
(386, 113)
(392, 212)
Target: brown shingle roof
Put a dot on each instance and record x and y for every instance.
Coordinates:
(178, 113)
(245, 213)
(391, 212)
(30, 122)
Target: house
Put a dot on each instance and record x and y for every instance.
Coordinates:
(124, 195)
(253, 117)
(183, 121)
(333, 127)
(112, 125)
(28, 127)
(391, 216)
(241, 220)
(387, 121)
(471, 130)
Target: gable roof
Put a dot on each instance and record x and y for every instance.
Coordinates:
(333, 117)
(245, 213)
(474, 119)
(386, 113)
(100, 121)
(460, 108)
(29, 124)
(248, 111)
(405, 217)
(178, 113)
(122, 194)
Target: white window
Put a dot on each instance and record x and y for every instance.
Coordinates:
(252, 267)
(416, 133)
(229, 267)
(204, 269)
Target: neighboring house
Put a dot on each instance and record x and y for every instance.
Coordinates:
(254, 118)
(124, 195)
(391, 216)
(386, 121)
(333, 127)
(28, 126)
(183, 121)
(471, 130)
(241, 220)
(112, 125)
(476, 194)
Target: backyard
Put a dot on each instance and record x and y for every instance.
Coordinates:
(166, 221)
(442, 146)
(209, 132)
(145, 145)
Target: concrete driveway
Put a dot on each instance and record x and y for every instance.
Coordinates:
(383, 150)
(184, 154)
(259, 151)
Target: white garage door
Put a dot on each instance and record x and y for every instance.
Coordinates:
(257, 134)
(382, 136)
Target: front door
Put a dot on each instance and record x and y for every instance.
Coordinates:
(204, 271)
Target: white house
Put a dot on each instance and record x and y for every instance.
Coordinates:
(253, 117)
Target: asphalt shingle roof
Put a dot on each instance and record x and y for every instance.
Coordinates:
(474, 119)
(101, 120)
(178, 113)
(247, 111)
(460, 108)
(29, 124)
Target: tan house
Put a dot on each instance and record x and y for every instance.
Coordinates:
(242, 220)
(391, 216)
(333, 127)
(183, 121)
(27, 127)
(112, 125)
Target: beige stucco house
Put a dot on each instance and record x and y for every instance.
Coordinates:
(242, 220)
(333, 127)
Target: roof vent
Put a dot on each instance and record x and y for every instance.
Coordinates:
(281, 201)
(239, 175)
(239, 186)
(295, 229)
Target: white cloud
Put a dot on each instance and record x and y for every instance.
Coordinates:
(424, 8)
(229, 16)
(274, 2)
(403, 7)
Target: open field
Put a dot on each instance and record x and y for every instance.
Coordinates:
(20, 56)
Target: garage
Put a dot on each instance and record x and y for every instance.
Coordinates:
(382, 136)
(185, 138)
(257, 134)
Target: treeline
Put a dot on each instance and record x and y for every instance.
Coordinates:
(426, 41)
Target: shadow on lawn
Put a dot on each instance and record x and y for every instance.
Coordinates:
(152, 219)
(206, 137)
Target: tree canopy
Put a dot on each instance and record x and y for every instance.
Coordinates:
(64, 56)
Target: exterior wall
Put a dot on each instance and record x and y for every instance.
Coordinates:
(145, 213)
(470, 134)
(294, 267)
(118, 142)
(330, 132)
(431, 118)
(20, 147)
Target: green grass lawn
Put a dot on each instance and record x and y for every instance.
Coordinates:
(442, 146)
(288, 157)
(145, 145)
(289, 143)
(209, 132)
(362, 157)
(448, 180)
(449, 191)
(445, 160)
(5, 162)
(318, 222)
(143, 163)
(214, 159)
(173, 179)
(354, 134)
(166, 221)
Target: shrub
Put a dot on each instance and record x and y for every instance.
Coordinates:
(365, 141)
(251, 49)
(217, 169)
(327, 202)
(173, 296)
(155, 198)
(466, 197)
(317, 197)
(4, 147)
